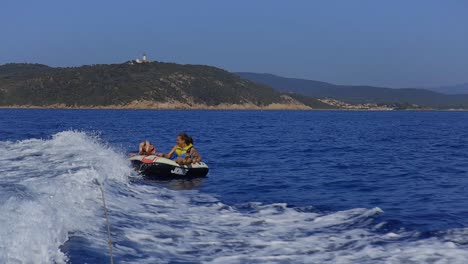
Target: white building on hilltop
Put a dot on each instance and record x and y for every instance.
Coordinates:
(143, 59)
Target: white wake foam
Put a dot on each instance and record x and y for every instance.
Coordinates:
(47, 196)
(171, 226)
(47, 191)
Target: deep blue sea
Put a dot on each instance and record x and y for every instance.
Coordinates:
(283, 187)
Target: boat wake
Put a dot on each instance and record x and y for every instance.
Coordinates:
(47, 193)
(51, 211)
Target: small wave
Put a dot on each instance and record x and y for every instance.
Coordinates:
(48, 192)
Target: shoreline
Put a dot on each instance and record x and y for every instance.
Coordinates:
(210, 108)
(171, 105)
(217, 108)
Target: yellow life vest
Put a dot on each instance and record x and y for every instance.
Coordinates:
(182, 152)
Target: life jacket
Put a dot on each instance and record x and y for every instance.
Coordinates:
(182, 152)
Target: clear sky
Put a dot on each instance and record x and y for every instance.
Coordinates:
(398, 43)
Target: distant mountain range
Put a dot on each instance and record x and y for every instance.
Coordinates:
(452, 89)
(146, 85)
(406, 97)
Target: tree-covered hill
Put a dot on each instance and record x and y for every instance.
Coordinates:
(120, 84)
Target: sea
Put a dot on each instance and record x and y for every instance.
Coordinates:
(283, 187)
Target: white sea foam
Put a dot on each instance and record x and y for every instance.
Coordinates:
(47, 191)
(47, 197)
(179, 227)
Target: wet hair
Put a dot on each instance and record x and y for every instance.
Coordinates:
(183, 136)
(186, 138)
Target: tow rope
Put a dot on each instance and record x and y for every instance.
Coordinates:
(109, 241)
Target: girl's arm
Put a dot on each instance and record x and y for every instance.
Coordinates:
(195, 156)
(169, 155)
(140, 148)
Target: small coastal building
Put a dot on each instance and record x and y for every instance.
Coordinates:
(142, 60)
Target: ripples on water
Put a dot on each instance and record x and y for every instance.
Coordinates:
(284, 187)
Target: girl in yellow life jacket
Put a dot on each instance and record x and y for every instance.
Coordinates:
(184, 152)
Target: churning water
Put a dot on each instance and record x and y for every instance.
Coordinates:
(284, 187)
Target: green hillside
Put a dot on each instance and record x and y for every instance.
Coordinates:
(119, 84)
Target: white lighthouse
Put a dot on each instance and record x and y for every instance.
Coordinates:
(143, 59)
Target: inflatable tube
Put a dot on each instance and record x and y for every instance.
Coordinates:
(154, 166)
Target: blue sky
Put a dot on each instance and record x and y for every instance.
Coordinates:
(396, 43)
